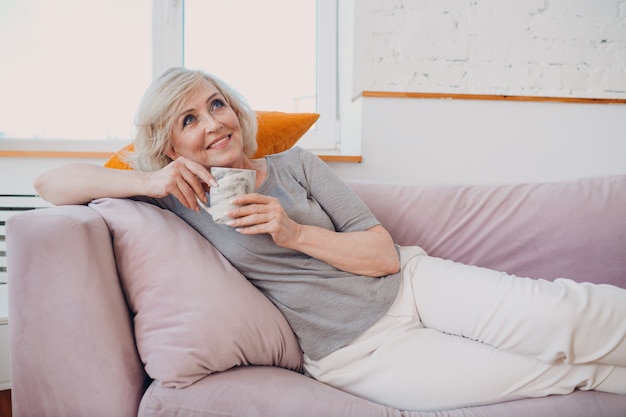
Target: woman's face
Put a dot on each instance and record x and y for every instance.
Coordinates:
(207, 130)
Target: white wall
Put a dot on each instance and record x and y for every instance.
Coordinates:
(568, 48)
(17, 174)
(439, 141)
(556, 48)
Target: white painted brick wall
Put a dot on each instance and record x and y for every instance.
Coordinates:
(566, 48)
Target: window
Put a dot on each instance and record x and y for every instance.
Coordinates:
(80, 74)
(257, 56)
(271, 61)
(72, 69)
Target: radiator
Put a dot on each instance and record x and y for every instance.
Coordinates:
(11, 204)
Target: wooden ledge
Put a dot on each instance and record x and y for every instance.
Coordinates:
(341, 158)
(54, 154)
(392, 94)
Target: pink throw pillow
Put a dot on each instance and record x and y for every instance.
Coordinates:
(194, 313)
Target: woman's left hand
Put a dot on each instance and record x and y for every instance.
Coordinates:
(262, 214)
(369, 252)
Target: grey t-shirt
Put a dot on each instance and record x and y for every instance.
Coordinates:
(326, 307)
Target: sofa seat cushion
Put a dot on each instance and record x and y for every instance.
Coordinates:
(257, 391)
(262, 391)
(194, 313)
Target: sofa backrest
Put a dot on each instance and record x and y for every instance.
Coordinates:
(574, 229)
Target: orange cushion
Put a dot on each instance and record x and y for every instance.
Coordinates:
(277, 132)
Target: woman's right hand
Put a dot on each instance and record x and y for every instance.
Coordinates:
(80, 183)
(182, 178)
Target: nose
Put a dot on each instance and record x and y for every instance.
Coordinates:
(211, 124)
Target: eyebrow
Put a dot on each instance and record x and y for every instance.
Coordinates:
(217, 93)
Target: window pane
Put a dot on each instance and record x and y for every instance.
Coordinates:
(264, 49)
(73, 69)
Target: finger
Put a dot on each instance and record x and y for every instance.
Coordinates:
(183, 199)
(250, 230)
(252, 198)
(195, 186)
(196, 176)
(248, 211)
(250, 225)
(187, 194)
(201, 172)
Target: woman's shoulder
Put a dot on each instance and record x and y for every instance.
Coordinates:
(289, 153)
(294, 155)
(294, 163)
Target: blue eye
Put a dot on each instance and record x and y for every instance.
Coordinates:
(188, 119)
(217, 104)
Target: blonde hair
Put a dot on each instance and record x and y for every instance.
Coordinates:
(158, 108)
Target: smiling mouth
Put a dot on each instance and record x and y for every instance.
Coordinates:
(219, 142)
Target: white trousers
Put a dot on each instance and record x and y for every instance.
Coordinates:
(460, 335)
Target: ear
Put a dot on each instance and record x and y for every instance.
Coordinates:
(171, 153)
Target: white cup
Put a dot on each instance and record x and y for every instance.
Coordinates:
(232, 182)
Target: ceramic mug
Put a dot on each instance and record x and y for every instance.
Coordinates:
(231, 182)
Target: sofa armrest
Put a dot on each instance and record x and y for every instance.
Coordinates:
(71, 338)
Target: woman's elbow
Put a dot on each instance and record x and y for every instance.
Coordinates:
(391, 265)
(41, 186)
(387, 263)
(387, 257)
(46, 186)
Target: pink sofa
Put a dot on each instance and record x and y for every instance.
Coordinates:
(101, 296)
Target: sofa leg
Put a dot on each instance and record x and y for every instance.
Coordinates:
(5, 403)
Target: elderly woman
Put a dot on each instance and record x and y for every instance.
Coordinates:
(384, 322)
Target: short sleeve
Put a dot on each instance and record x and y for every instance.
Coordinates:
(347, 211)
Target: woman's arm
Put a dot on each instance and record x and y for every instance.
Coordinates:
(81, 183)
(356, 244)
(370, 252)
